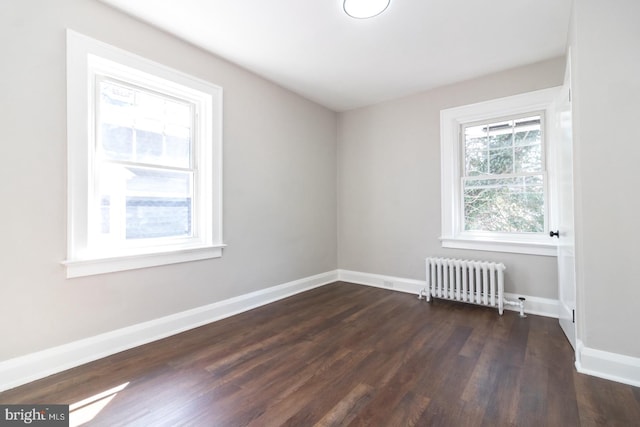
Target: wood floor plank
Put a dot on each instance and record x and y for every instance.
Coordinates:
(344, 411)
(604, 403)
(346, 354)
(408, 410)
(454, 413)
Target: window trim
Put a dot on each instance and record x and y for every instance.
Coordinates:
(451, 122)
(84, 56)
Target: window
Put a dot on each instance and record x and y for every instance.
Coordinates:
(496, 189)
(504, 176)
(144, 157)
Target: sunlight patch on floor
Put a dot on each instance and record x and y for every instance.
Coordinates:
(86, 410)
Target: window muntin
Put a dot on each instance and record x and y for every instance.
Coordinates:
(503, 176)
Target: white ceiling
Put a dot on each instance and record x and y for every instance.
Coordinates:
(314, 49)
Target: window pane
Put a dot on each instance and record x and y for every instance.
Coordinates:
(158, 204)
(500, 134)
(505, 205)
(148, 146)
(145, 203)
(178, 113)
(475, 138)
(528, 158)
(149, 105)
(152, 217)
(475, 148)
(178, 146)
(178, 151)
(117, 142)
(501, 161)
(116, 98)
(528, 141)
(528, 137)
(476, 162)
(528, 130)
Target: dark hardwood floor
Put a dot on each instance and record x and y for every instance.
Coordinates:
(346, 354)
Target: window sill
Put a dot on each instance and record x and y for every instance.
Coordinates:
(90, 267)
(512, 246)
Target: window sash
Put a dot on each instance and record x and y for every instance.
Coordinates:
(519, 182)
(135, 120)
(513, 146)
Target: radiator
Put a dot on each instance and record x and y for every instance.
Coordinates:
(476, 282)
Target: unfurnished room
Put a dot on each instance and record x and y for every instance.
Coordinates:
(320, 213)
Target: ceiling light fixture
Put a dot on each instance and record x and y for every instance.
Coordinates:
(363, 9)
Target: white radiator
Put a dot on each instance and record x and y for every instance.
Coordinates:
(477, 282)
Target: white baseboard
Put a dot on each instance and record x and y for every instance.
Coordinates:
(31, 367)
(610, 366)
(410, 286)
(533, 305)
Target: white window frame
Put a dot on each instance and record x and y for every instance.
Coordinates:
(87, 61)
(451, 122)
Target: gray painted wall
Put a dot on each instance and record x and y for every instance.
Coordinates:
(605, 40)
(389, 182)
(279, 184)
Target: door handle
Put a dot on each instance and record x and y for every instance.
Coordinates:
(554, 234)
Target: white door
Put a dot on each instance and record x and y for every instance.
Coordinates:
(566, 238)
